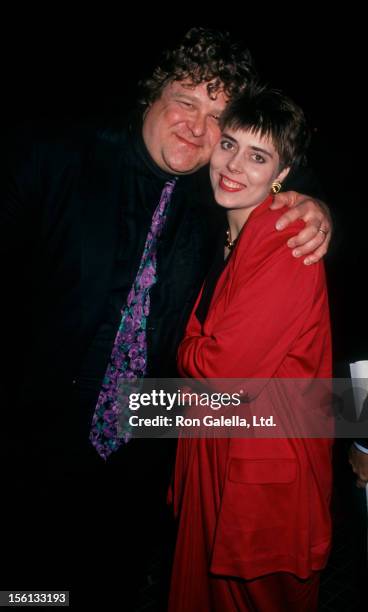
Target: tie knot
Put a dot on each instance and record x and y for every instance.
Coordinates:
(169, 186)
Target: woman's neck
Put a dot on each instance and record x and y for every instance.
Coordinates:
(236, 219)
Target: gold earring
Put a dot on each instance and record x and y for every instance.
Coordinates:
(276, 187)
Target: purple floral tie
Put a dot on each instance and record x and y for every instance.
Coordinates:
(128, 361)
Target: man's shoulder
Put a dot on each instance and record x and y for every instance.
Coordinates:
(50, 140)
(59, 143)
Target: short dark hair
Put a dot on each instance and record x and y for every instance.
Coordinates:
(260, 109)
(204, 56)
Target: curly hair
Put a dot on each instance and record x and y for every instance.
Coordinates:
(260, 109)
(203, 56)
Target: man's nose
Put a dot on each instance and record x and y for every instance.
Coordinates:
(198, 125)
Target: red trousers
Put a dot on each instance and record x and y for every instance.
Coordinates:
(193, 587)
(279, 592)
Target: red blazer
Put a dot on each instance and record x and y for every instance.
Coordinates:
(268, 318)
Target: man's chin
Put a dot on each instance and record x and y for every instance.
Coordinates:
(183, 166)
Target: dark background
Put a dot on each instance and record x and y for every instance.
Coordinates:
(62, 66)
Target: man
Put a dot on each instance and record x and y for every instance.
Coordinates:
(78, 212)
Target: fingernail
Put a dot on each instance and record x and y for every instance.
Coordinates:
(279, 225)
(296, 253)
(307, 262)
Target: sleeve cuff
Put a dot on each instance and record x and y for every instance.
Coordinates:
(363, 449)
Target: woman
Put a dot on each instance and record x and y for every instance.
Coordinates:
(254, 523)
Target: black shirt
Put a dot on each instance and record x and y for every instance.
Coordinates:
(142, 185)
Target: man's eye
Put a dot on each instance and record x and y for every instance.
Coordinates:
(216, 117)
(186, 104)
(258, 158)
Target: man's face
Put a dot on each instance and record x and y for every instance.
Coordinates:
(180, 128)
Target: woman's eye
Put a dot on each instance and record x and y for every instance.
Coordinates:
(226, 145)
(258, 158)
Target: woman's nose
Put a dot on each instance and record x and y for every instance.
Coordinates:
(234, 164)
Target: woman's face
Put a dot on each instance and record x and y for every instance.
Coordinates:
(243, 167)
